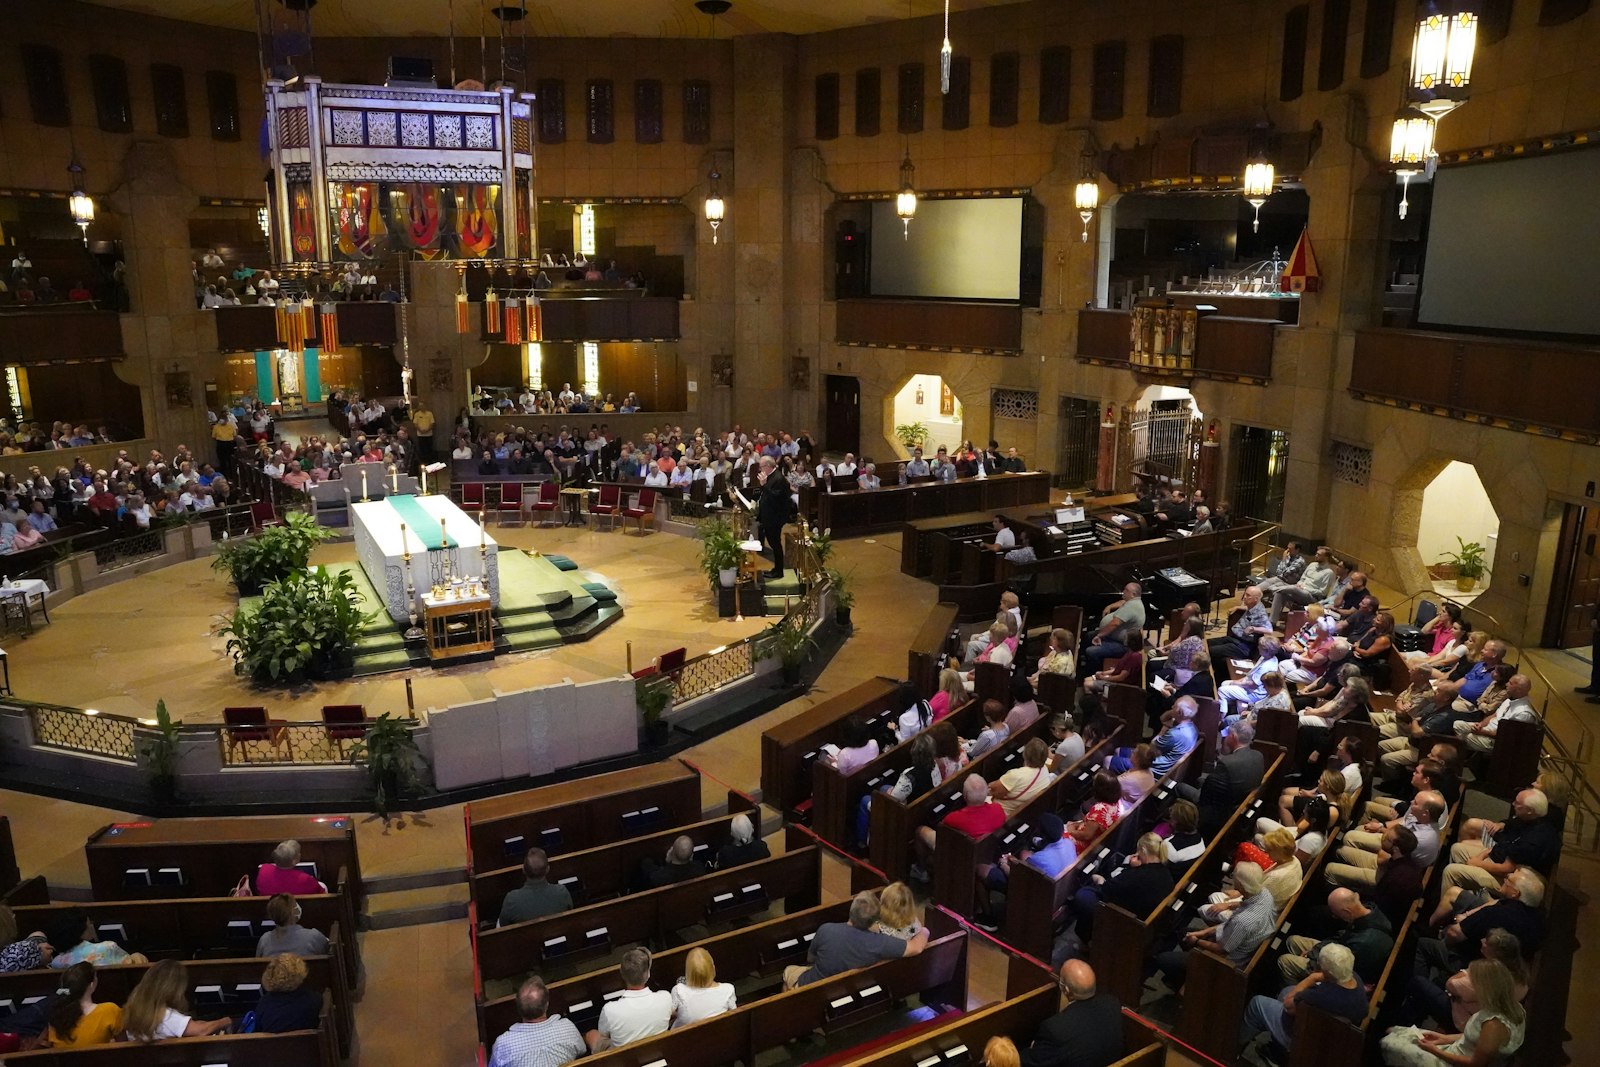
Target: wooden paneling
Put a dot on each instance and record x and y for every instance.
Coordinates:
(1103, 334)
(1226, 345)
(42, 336)
(601, 319)
(255, 328)
(859, 510)
(1532, 382)
(941, 324)
(87, 394)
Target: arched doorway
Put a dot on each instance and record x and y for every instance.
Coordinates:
(926, 400)
(1457, 512)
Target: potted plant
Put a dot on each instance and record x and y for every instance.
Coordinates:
(1468, 561)
(822, 545)
(720, 554)
(306, 625)
(843, 596)
(161, 754)
(653, 693)
(789, 640)
(392, 758)
(911, 434)
(274, 553)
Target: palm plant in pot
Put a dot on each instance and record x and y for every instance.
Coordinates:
(161, 754)
(911, 434)
(653, 693)
(843, 596)
(1469, 563)
(392, 758)
(720, 554)
(791, 642)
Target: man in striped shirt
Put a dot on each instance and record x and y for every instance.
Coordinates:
(540, 1039)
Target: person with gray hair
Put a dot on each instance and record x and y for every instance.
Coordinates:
(1333, 987)
(639, 1011)
(742, 846)
(539, 1038)
(1489, 851)
(283, 875)
(1236, 938)
(1238, 770)
(679, 865)
(1086, 1032)
(840, 947)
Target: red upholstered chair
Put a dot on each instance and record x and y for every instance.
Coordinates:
(471, 496)
(510, 503)
(643, 507)
(344, 722)
(262, 515)
(549, 498)
(608, 504)
(672, 662)
(248, 725)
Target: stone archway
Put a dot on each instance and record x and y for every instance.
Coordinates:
(1422, 525)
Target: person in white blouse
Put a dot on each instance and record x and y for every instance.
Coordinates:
(698, 995)
(657, 477)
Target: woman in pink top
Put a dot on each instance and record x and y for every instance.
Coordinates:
(282, 876)
(951, 695)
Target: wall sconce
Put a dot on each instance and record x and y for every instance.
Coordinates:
(1410, 149)
(905, 202)
(80, 203)
(716, 207)
(1086, 196)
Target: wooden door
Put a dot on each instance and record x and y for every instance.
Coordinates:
(1575, 589)
(844, 414)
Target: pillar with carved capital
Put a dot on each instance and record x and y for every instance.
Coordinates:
(1105, 475)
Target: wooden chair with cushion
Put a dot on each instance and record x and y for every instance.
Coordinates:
(510, 503)
(471, 496)
(608, 504)
(249, 725)
(643, 508)
(344, 722)
(549, 498)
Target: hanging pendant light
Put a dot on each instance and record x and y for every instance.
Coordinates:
(905, 202)
(80, 203)
(1086, 196)
(716, 208)
(1442, 49)
(1410, 148)
(946, 54)
(1258, 181)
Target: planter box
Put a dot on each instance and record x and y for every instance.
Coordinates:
(751, 601)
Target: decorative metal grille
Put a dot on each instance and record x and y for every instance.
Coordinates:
(1351, 463)
(78, 731)
(1080, 441)
(283, 743)
(129, 550)
(706, 674)
(1015, 404)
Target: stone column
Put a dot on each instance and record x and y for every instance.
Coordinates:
(764, 109)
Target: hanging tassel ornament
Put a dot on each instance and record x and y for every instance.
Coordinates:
(513, 321)
(536, 320)
(291, 326)
(308, 318)
(491, 311)
(330, 327)
(463, 323)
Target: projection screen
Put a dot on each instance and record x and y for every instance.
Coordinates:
(957, 249)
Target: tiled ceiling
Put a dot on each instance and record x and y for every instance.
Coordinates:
(554, 18)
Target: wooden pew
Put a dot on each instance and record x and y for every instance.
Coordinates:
(10, 875)
(1127, 703)
(1321, 1040)
(594, 874)
(1034, 899)
(580, 814)
(1124, 941)
(892, 822)
(302, 1048)
(1514, 763)
(207, 857)
(925, 657)
(650, 916)
(234, 987)
(788, 749)
(835, 797)
(956, 856)
(762, 950)
(938, 974)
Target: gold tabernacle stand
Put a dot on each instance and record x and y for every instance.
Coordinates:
(458, 627)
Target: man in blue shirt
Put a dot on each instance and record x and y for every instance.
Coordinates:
(1056, 853)
(1466, 691)
(40, 519)
(540, 1039)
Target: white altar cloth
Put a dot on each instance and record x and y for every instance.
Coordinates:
(378, 545)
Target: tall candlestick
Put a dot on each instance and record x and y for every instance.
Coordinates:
(405, 550)
(444, 536)
(364, 484)
(394, 473)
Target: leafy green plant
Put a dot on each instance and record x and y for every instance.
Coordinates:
(843, 596)
(161, 753)
(719, 547)
(1469, 560)
(911, 434)
(822, 546)
(307, 622)
(392, 759)
(789, 640)
(652, 693)
(272, 554)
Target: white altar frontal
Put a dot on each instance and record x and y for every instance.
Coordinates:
(438, 535)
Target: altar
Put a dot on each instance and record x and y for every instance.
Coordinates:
(443, 541)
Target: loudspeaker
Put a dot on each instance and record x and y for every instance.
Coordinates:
(410, 70)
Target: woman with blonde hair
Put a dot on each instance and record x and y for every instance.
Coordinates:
(158, 1007)
(1492, 1033)
(1059, 657)
(698, 995)
(897, 912)
(1001, 1052)
(286, 1004)
(951, 695)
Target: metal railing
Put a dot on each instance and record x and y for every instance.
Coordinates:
(79, 730)
(281, 743)
(125, 551)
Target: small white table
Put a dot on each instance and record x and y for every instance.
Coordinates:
(25, 591)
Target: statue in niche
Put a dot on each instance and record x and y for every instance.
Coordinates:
(799, 373)
(722, 372)
(441, 375)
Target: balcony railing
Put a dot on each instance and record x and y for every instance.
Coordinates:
(1232, 349)
(946, 325)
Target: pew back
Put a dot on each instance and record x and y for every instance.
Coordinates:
(788, 749)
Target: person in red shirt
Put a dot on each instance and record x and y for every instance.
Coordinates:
(282, 876)
(78, 293)
(979, 816)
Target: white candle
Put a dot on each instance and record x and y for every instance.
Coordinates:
(405, 550)
(394, 472)
(363, 483)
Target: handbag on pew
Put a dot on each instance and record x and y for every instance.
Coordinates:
(242, 888)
